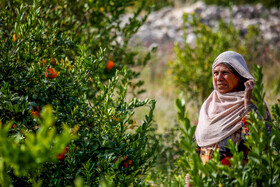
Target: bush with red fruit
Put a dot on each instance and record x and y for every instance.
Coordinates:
(63, 62)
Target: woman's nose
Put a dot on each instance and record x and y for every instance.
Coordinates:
(220, 76)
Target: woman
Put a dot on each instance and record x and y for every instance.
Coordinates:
(221, 114)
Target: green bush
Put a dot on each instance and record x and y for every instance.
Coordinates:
(25, 152)
(192, 68)
(98, 24)
(263, 157)
(56, 53)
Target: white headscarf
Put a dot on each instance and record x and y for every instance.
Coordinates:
(219, 115)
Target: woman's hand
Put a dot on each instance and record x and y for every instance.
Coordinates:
(248, 95)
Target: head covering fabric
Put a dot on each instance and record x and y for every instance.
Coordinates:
(236, 61)
(219, 115)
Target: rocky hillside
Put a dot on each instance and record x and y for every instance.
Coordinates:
(164, 27)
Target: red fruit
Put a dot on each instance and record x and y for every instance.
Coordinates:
(43, 62)
(35, 112)
(50, 73)
(14, 38)
(124, 158)
(61, 156)
(110, 65)
(125, 163)
(225, 161)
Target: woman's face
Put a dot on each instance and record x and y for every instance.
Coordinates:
(225, 81)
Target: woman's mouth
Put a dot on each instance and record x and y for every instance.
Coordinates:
(221, 85)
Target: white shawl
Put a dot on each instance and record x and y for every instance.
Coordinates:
(219, 115)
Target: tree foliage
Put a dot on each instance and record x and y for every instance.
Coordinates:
(67, 54)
